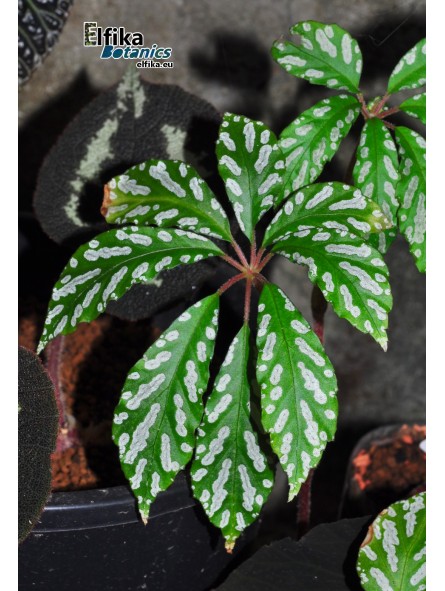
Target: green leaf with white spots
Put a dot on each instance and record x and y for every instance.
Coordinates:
(161, 403)
(106, 267)
(312, 140)
(327, 55)
(298, 387)
(410, 72)
(415, 106)
(326, 206)
(376, 174)
(251, 165)
(411, 192)
(392, 557)
(165, 193)
(230, 474)
(351, 274)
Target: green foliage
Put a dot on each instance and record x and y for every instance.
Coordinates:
(329, 56)
(164, 419)
(393, 554)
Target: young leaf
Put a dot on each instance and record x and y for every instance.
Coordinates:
(328, 55)
(312, 140)
(317, 206)
(165, 193)
(351, 274)
(411, 192)
(230, 474)
(298, 387)
(376, 174)
(392, 556)
(161, 403)
(251, 164)
(106, 267)
(415, 106)
(410, 72)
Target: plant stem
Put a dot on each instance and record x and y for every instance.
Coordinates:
(264, 262)
(240, 253)
(247, 299)
(231, 282)
(389, 112)
(233, 262)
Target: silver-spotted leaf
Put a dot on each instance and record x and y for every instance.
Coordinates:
(326, 206)
(251, 164)
(230, 474)
(411, 192)
(351, 274)
(106, 267)
(165, 193)
(312, 140)
(328, 55)
(410, 72)
(161, 403)
(415, 106)
(393, 554)
(376, 174)
(298, 387)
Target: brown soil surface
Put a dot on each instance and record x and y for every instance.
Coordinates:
(89, 372)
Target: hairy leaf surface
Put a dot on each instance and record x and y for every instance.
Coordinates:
(165, 193)
(328, 55)
(326, 205)
(392, 556)
(161, 403)
(351, 274)
(251, 164)
(376, 174)
(415, 106)
(106, 267)
(410, 72)
(411, 192)
(298, 387)
(312, 140)
(230, 474)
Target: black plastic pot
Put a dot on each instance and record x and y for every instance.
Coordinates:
(94, 541)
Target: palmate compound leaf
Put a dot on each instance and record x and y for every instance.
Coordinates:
(392, 556)
(251, 165)
(333, 206)
(411, 192)
(376, 175)
(351, 274)
(230, 474)
(312, 140)
(161, 403)
(165, 193)
(410, 72)
(106, 267)
(328, 55)
(298, 387)
(415, 106)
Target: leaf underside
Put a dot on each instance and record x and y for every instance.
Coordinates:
(351, 274)
(330, 206)
(161, 403)
(410, 72)
(312, 139)
(251, 164)
(393, 554)
(165, 193)
(230, 474)
(415, 106)
(106, 267)
(411, 192)
(376, 174)
(328, 55)
(298, 387)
